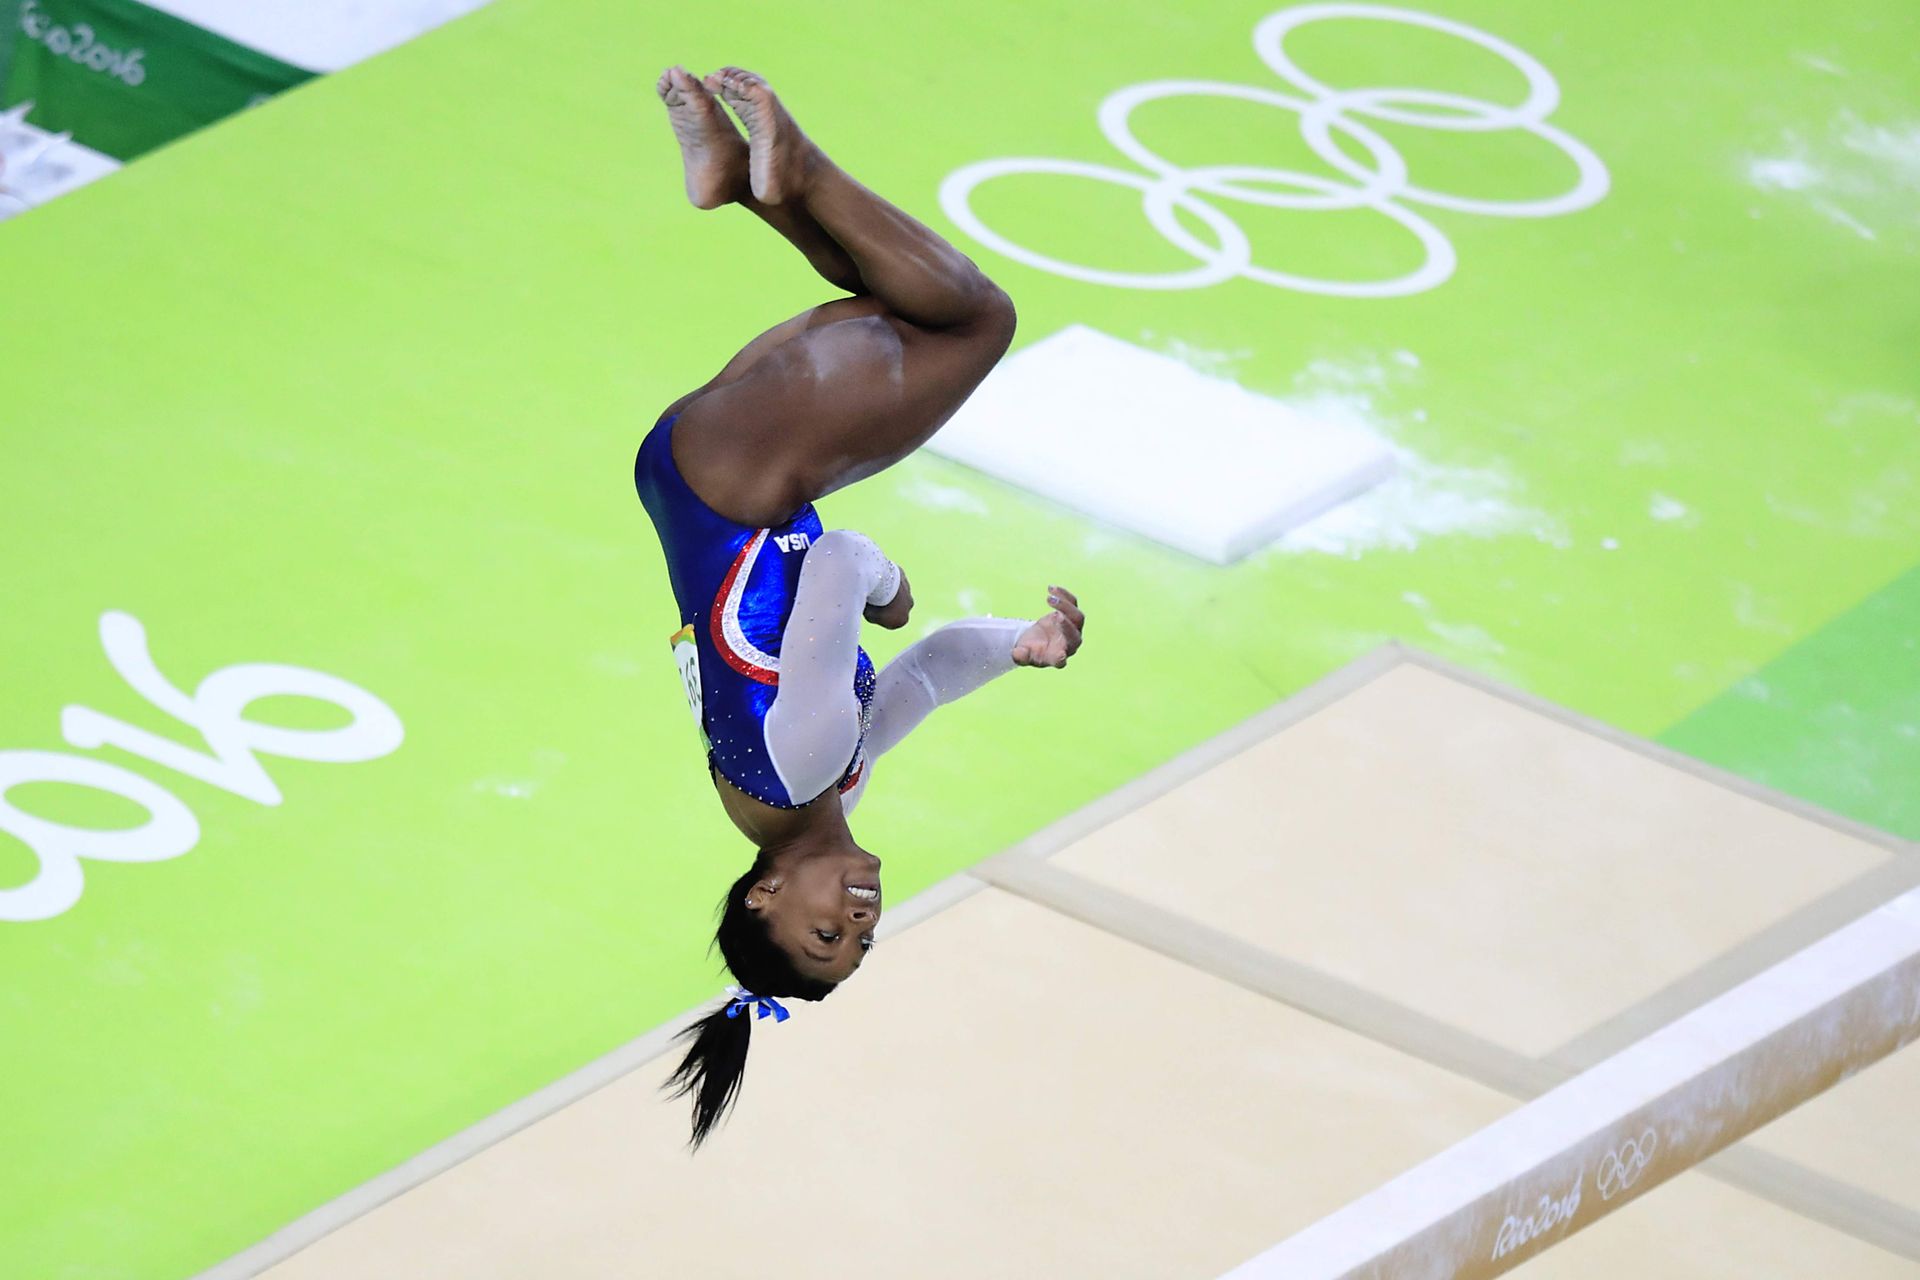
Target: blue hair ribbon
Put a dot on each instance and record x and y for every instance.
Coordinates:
(743, 1000)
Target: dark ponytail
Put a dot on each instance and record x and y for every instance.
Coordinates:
(716, 1057)
(716, 1062)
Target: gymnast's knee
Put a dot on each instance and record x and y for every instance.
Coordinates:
(994, 316)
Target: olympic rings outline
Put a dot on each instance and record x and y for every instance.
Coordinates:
(1621, 1168)
(1269, 36)
(1235, 252)
(1166, 187)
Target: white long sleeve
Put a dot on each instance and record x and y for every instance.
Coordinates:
(813, 727)
(947, 665)
(938, 669)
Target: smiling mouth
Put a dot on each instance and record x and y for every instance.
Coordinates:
(864, 892)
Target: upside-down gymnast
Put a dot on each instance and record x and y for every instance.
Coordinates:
(790, 705)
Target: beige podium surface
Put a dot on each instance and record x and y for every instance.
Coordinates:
(1256, 986)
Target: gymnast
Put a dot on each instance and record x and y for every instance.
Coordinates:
(792, 710)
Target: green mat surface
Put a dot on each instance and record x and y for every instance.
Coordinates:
(1835, 720)
(352, 383)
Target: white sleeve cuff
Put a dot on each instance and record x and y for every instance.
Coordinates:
(888, 587)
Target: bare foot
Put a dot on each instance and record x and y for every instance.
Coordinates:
(778, 150)
(712, 150)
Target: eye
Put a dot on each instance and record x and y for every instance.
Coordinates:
(825, 936)
(866, 944)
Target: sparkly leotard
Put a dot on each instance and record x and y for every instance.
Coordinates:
(735, 587)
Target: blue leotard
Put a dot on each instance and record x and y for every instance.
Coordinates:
(735, 587)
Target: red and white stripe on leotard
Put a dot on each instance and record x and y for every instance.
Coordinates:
(735, 649)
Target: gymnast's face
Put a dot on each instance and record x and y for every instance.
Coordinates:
(821, 909)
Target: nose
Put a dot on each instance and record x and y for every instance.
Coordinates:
(862, 915)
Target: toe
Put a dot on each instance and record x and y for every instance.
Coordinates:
(694, 88)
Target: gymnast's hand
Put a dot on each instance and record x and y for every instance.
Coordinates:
(893, 614)
(1051, 640)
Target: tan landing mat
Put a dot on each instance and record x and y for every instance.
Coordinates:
(1012, 1095)
(1008, 1092)
(1483, 863)
(1003, 1092)
(1509, 873)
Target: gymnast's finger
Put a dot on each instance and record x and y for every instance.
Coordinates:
(1068, 605)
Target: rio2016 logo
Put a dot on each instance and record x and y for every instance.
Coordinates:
(216, 709)
(1336, 124)
(1548, 1214)
(78, 44)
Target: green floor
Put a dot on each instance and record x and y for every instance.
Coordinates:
(1835, 720)
(353, 383)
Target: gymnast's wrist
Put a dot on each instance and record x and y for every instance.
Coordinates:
(887, 584)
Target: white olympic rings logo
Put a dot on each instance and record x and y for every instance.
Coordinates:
(1380, 182)
(1619, 1170)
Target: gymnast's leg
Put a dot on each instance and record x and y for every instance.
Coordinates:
(847, 388)
(958, 659)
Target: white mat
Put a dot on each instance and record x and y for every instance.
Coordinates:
(1143, 441)
(321, 35)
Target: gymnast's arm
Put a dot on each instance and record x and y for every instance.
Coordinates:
(813, 726)
(961, 657)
